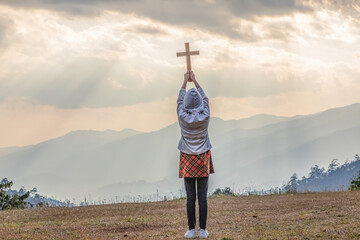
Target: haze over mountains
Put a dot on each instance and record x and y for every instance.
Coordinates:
(259, 152)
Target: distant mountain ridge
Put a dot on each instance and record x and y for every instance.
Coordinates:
(261, 151)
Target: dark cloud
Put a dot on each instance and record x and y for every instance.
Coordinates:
(216, 16)
(77, 7)
(283, 31)
(146, 29)
(348, 7)
(253, 8)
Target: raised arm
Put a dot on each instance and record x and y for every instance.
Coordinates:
(193, 79)
(182, 93)
(190, 76)
(201, 91)
(186, 79)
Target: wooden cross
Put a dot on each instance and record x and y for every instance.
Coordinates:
(187, 53)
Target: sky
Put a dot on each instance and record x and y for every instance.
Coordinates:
(91, 64)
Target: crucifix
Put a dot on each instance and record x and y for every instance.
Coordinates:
(187, 53)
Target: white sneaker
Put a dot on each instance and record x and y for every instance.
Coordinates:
(203, 233)
(190, 233)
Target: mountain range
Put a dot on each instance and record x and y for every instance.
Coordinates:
(262, 151)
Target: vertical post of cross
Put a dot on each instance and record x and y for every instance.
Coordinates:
(188, 60)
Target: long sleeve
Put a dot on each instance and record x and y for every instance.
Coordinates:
(180, 101)
(205, 101)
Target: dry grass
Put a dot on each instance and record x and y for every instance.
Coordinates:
(329, 215)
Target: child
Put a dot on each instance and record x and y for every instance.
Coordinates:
(195, 156)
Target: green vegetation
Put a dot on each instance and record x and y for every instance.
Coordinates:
(223, 192)
(11, 202)
(291, 186)
(336, 178)
(355, 183)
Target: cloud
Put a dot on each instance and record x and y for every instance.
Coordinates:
(162, 9)
(254, 8)
(6, 27)
(222, 17)
(85, 63)
(121, 59)
(349, 7)
(148, 29)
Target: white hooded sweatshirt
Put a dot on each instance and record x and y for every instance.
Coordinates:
(194, 117)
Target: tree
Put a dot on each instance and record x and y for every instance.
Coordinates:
(355, 183)
(291, 186)
(316, 172)
(333, 165)
(11, 202)
(226, 191)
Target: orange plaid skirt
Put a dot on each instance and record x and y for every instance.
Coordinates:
(195, 165)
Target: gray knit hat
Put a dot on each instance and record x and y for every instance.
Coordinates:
(192, 99)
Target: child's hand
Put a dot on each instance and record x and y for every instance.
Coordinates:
(187, 76)
(192, 77)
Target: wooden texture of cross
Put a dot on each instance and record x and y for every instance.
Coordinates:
(187, 53)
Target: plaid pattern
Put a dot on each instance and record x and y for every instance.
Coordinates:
(195, 165)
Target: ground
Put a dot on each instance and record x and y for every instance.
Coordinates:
(327, 215)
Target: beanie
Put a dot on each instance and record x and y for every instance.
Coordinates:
(192, 99)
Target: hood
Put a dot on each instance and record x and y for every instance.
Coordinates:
(192, 99)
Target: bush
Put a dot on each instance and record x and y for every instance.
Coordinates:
(226, 192)
(292, 184)
(11, 202)
(355, 183)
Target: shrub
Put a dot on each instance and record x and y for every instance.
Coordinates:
(11, 202)
(226, 192)
(355, 183)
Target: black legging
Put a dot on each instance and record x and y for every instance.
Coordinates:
(202, 188)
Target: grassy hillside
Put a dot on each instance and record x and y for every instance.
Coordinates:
(328, 215)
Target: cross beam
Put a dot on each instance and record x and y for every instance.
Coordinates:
(187, 53)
